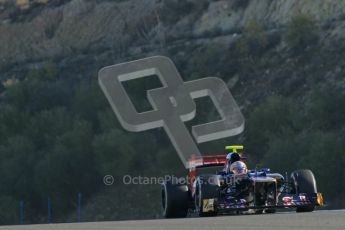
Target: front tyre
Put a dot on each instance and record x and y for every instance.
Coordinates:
(303, 181)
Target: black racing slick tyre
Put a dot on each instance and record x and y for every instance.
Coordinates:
(303, 181)
(204, 192)
(175, 199)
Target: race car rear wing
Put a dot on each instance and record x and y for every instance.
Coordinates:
(199, 161)
(202, 161)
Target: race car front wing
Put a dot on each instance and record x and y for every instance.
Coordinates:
(284, 200)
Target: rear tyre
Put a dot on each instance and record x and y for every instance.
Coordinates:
(303, 181)
(205, 190)
(175, 198)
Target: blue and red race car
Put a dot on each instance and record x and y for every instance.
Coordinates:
(209, 194)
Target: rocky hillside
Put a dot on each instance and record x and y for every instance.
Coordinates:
(81, 36)
(35, 31)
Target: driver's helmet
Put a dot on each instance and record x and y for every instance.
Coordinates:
(233, 157)
(238, 167)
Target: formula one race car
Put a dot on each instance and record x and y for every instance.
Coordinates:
(255, 191)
